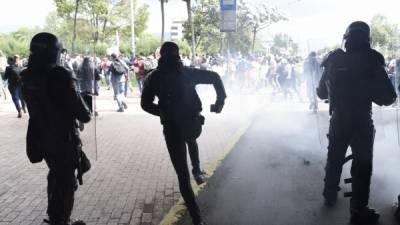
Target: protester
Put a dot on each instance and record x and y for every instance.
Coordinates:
(12, 75)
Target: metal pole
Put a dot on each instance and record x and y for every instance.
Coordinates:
(132, 4)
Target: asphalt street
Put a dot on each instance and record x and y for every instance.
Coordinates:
(274, 175)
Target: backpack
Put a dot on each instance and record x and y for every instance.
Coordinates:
(147, 66)
(119, 68)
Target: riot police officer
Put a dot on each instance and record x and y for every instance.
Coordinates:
(54, 106)
(352, 80)
(312, 75)
(179, 109)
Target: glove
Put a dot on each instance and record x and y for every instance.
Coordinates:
(217, 107)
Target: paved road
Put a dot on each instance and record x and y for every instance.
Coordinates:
(132, 182)
(274, 174)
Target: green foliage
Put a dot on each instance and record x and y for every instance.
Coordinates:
(147, 45)
(184, 47)
(284, 44)
(209, 39)
(97, 22)
(17, 42)
(385, 35)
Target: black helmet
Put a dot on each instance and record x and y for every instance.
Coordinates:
(359, 29)
(46, 47)
(169, 49)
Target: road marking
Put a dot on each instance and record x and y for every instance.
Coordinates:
(177, 212)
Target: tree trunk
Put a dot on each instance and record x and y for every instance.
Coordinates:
(189, 11)
(162, 21)
(74, 28)
(254, 39)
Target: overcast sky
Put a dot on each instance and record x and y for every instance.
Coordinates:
(317, 22)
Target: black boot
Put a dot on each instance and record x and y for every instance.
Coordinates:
(19, 114)
(200, 177)
(330, 196)
(364, 216)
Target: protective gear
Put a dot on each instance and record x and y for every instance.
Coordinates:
(200, 178)
(364, 216)
(359, 28)
(46, 47)
(54, 106)
(169, 49)
(351, 81)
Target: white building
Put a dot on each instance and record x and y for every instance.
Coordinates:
(177, 30)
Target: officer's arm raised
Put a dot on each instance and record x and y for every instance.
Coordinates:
(383, 92)
(209, 77)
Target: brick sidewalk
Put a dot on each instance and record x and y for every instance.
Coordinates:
(132, 182)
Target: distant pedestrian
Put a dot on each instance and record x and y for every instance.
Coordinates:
(119, 72)
(12, 75)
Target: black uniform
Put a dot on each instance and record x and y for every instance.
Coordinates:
(54, 106)
(179, 109)
(351, 81)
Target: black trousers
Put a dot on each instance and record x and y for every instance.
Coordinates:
(359, 135)
(60, 190)
(176, 145)
(194, 155)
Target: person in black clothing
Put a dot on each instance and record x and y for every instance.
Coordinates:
(12, 74)
(352, 80)
(179, 109)
(54, 105)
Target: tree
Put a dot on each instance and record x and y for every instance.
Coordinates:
(96, 22)
(17, 42)
(190, 20)
(64, 9)
(261, 17)
(384, 35)
(284, 44)
(207, 36)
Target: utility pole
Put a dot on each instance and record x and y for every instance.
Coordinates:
(132, 4)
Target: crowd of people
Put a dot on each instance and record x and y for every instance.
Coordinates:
(291, 77)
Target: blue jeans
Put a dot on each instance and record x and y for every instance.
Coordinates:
(16, 96)
(140, 82)
(119, 92)
(107, 78)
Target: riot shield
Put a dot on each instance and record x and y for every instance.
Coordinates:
(321, 115)
(87, 86)
(395, 64)
(319, 108)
